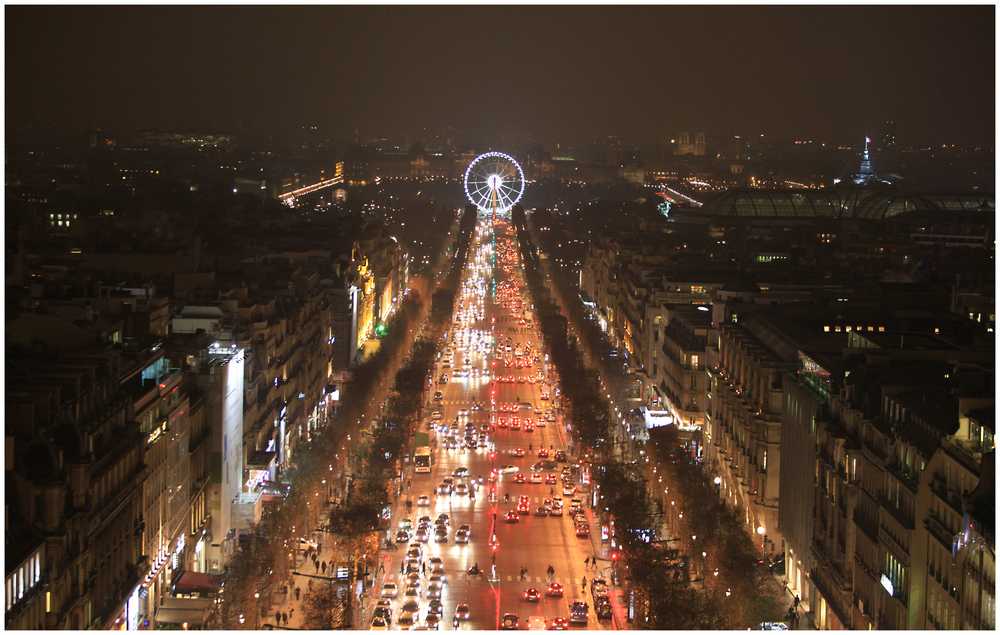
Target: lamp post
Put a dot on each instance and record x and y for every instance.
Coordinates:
(256, 616)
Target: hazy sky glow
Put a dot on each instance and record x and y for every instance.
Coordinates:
(641, 72)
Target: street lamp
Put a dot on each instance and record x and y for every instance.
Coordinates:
(256, 617)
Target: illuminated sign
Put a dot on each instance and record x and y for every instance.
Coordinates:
(887, 583)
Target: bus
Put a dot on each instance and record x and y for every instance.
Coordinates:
(423, 459)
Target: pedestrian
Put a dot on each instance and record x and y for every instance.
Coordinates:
(324, 567)
(381, 568)
(277, 618)
(586, 562)
(583, 584)
(298, 593)
(594, 560)
(316, 564)
(284, 618)
(319, 548)
(291, 611)
(796, 603)
(402, 568)
(423, 568)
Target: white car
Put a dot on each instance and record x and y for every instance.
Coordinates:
(508, 469)
(305, 544)
(423, 501)
(390, 590)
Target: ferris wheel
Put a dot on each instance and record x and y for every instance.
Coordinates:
(494, 182)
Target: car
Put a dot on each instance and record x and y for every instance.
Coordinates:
(460, 472)
(531, 594)
(542, 510)
(305, 544)
(423, 501)
(508, 469)
(433, 593)
(462, 489)
(559, 624)
(536, 477)
(509, 622)
(538, 410)
(402, 535)
(512, 517)
(462, 612)
(560, 456)
(461, 537)
(432, 622)
(422, 535)
(411, 606)
(543, 453)
(437, 565)
(384, 610)
(379, 624)
(555, 590)
(443, 489)
(550, 479)
(519, 478)
(599, 588)
(406, 620)
(524, 508)
(569, 489)
(443, 519)
(518, 452)
(437, 580)
(582, 531)
(557, 510)
(413, 578)
(602, 606)
(466, 528)
(579, 612)
(464, 412)
(541, 422)
(435, 607)
(390, 590)
(438, 395)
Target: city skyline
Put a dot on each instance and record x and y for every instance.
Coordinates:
(830, 74)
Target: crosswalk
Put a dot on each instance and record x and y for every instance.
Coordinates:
(538, 579)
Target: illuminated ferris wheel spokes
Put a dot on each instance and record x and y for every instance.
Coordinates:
(494, 182)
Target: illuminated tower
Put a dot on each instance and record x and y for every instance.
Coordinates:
(865, 175)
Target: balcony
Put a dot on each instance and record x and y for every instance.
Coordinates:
(936, 529)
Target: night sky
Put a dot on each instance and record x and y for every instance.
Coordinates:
(643, 73)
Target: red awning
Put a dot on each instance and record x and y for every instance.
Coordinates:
(194, 581)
